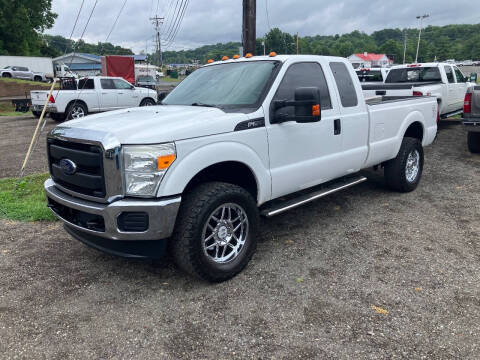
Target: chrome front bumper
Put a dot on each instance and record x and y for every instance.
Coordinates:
(161, 213)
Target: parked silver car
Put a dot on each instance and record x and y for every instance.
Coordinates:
(21, 72)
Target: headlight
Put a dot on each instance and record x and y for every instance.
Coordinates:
(145, 166)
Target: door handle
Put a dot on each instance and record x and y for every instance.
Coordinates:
(337, 127)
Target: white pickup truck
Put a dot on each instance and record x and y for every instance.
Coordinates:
(91, 95)
(236, 139)
(442, 80)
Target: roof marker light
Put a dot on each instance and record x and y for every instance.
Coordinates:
(248, 55)
(210, 61)
(224, 58)
(272, 54)
(236, 56)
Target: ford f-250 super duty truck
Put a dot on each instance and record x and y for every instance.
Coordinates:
(444, 81)
(236, 139)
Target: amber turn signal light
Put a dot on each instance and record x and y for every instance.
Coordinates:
(316, 110)
(163, 162)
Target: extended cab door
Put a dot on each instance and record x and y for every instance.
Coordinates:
(353, 118)
(303, 154)
(460, 89)
(449, 102)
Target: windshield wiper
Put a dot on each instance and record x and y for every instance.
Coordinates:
(202, 104)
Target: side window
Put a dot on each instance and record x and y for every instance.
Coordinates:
(449, 72)
(460, 77)
(86, 84)
(107, 84)
(121, 85)
(348, 94)
(24, 69)
(303, 75)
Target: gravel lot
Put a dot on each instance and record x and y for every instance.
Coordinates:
(363, 274)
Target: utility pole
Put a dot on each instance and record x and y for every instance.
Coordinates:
(157, 22)
(405, 45)
(249, 41)
(421, 17)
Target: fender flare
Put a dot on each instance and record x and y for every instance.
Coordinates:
(181, 172)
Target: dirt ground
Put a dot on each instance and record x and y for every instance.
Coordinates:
(362, 274)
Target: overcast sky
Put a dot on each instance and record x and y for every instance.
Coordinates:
(213, 21)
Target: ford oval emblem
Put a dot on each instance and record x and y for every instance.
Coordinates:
(68, 166)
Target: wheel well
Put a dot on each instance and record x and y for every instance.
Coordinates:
(148, 97)
(415, 130)
(37, 77)
(232, 172)
(76, 101)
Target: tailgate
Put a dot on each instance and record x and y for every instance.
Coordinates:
(38, 97)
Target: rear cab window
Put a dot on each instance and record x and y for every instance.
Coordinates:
(414, 74)
(346, 88)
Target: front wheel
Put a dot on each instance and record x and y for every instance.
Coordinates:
(6, 75)
(147, 102)
(215, 234)
(473, 139)
(404, 172)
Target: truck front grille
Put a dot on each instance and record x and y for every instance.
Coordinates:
(88, 176)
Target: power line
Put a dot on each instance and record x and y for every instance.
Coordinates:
(115, 23)
(175, 16)
(172, 39)
(268, 17)
(74, 26)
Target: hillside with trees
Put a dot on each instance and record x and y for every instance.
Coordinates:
(441, 42)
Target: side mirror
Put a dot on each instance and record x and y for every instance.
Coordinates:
(306, 105)
(473, 77)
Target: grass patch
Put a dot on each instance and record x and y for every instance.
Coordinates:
(29, 82)
(25, 202)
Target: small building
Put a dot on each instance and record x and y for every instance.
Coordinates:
(369, 60)
(88, 64)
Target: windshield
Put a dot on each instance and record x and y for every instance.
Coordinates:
(417, 74)
(145, 78)
(231, 84)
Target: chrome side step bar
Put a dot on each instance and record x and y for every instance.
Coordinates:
(286, 205)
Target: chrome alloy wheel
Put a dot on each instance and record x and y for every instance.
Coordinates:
(77, 112)
(225, 233)
(412, 166)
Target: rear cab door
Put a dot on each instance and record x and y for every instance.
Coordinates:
(303, 155)
(108, 95)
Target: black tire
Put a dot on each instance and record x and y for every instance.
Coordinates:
(147, 102)
(6, 75)
(396, 169)
(37, 78)
(36, 114)
(73, 107)
(58, 117)
(186, 244)
(473, 140)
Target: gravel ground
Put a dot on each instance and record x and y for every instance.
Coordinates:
(363, 274)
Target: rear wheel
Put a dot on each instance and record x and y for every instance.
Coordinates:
(473, 140)
(77, 111)
(215, 234)
(147, 102)
(404, 172)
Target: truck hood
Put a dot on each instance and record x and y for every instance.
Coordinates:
(151, 124)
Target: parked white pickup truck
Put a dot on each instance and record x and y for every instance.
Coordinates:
(21, 72)
(235, 139)
(93, 94)
(444, 81)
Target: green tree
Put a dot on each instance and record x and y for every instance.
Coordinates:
(21, 23)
